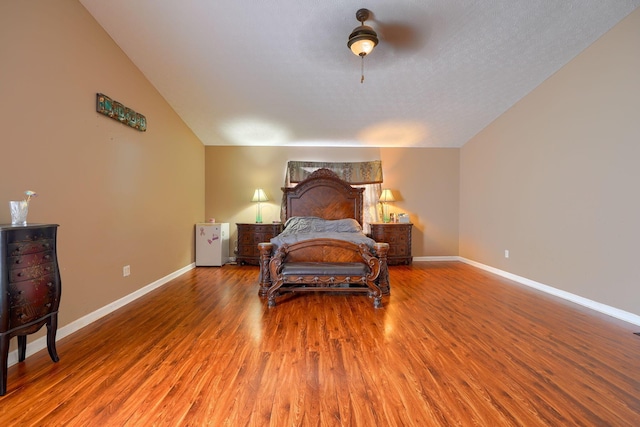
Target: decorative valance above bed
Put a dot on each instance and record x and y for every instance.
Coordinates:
(355, 173)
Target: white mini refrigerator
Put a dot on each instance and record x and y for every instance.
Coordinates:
(212, 244)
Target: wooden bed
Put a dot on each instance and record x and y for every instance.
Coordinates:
(322, 264)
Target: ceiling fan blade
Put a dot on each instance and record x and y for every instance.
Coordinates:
(399, 36)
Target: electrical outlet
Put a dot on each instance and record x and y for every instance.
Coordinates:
(126, 270)
(506, 253)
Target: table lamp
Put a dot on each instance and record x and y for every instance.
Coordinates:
(259, 196)
(386, 196)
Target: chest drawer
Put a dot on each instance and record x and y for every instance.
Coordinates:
(38, 290)
(28, 312)
(31, 300)
(29, 260)
(20, 274)
(30, 235)
(28, 247)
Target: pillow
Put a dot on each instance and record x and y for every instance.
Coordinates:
(310, 224)
(348, 225)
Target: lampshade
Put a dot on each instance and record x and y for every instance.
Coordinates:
(387, 196)
(259, 196)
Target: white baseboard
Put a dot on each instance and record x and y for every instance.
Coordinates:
(436, 258)
(602, 308)
(41, 343)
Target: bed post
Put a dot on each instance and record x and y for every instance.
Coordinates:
(264, 279)
(381, 250)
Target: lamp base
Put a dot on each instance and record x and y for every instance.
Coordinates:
(385, 213)
(259, 214)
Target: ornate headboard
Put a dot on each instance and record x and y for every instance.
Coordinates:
(325, 195)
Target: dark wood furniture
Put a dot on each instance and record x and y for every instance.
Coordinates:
(326, 265)
(30, 288)
(249, 235)
(323, 194)
(398, 236)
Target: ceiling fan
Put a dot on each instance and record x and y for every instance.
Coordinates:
(363, 39)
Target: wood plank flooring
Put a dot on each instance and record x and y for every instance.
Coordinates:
(453, 345)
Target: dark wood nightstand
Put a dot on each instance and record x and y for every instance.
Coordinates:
(249, 235)
(398, 236)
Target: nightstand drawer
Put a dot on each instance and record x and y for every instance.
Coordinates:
(245, 238)
(398, 236)
(246, 251)
(249, 235)
(397, 250)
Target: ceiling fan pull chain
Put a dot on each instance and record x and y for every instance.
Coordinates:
(362, 69)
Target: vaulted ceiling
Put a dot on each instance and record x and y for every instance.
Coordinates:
(278, 72)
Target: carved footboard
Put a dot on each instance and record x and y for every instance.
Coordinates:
(324, 265)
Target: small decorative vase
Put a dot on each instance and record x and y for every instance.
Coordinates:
(19, 211)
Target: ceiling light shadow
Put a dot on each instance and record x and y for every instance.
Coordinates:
(394, 134)
(254, 131)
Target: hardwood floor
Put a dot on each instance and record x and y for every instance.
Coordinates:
(453, 345)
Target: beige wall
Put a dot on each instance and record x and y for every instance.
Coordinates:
(424, 180)
(120, 196)
(555, 179)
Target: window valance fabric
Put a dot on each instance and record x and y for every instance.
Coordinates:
(355, 173)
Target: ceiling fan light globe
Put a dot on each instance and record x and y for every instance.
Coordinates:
(362, 40)
(362, 47)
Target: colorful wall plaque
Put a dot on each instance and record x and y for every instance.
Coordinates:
(119, 112)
